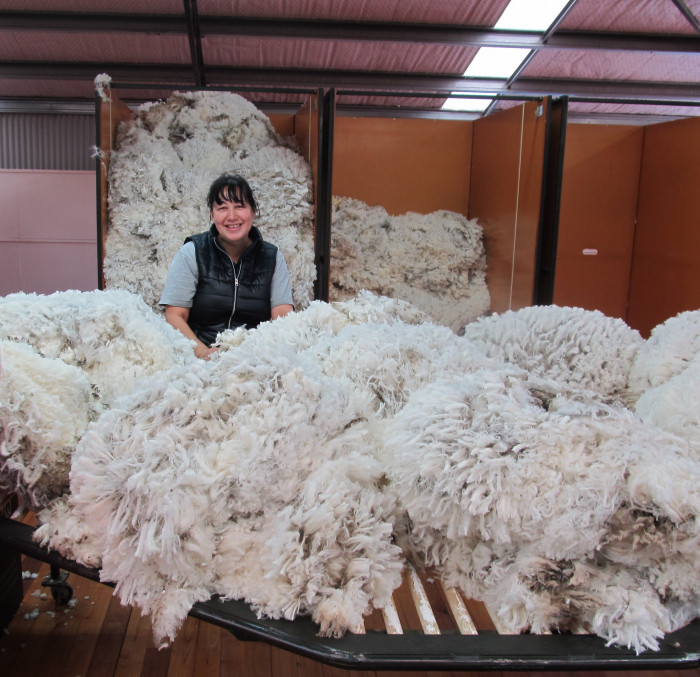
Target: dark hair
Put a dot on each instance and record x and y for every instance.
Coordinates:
(232, 188)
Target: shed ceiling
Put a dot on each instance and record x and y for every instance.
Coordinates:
(615, 60)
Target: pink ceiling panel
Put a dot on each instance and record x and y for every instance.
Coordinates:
(339, 54)
(640, 16)
(639, 66)
(62, 89)
(391, 101)
(125, 6)
(472, 12)
(115, 47)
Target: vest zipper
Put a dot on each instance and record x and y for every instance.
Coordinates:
(235, 283)
(235, 289)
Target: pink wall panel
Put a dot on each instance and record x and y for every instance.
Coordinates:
(48, 231)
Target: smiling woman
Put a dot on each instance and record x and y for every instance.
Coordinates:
(228, 276)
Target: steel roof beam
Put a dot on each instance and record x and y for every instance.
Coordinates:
(468, 36)
(144, 75)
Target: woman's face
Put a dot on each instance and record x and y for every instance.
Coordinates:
(233, 221)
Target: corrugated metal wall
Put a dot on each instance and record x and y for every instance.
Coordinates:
(47, 141)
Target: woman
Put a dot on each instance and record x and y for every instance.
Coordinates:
(227, 276)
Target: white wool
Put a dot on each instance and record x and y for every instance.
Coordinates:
(583, 349)
(496, 460)
(674, 405)
(282, 471)
(436, 261)
(390, 361)
(369, 307)
(61, 529)
(190, 454)
(102, 82)
(381, 345)
(670, 348)
(45, 406)
(113, 336)
(160, 172)
(305, 329)
(329, 553)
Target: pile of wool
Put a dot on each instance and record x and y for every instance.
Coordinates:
(160, 171)
(437, 261)
(581, 349)
(379, 345)
(556, 510)
(250, 476)
(45, 407)
(284, 471)
(666, 374)
(112, 336)
(302, 330)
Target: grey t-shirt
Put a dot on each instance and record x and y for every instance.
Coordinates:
(183, 274)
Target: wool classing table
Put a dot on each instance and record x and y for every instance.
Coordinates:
(428, 627)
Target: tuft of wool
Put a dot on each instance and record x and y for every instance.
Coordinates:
(368, 307)
(437, 261)
(45, 407)
(670, 348)
(511, 490)
(103, 82)
(674, 405)
(583, 349)
(113, 336)
(64, 531)
(160, 171)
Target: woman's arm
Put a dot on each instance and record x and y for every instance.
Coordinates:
(281, 310)
(177, 317)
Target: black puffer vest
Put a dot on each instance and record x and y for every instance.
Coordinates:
(219, 303)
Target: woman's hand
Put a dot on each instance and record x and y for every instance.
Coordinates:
(177, 317)
(203, 352)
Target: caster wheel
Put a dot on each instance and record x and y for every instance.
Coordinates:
(60, 590)
(61, 594)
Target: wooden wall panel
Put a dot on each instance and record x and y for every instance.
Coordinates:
(403, 165)
(597, 213)
(665, 271)
(506, 183)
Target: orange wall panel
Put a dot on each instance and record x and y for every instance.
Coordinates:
(403, 165)
(597, 213)
(665, 272)
(506, 181)
(283, 124)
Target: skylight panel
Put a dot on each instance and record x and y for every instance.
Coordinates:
(530, 15)
(503, 62)
(496, 62)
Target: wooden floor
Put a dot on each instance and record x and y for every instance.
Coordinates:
(98, 637)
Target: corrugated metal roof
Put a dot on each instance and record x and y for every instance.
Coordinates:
(627, 57)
